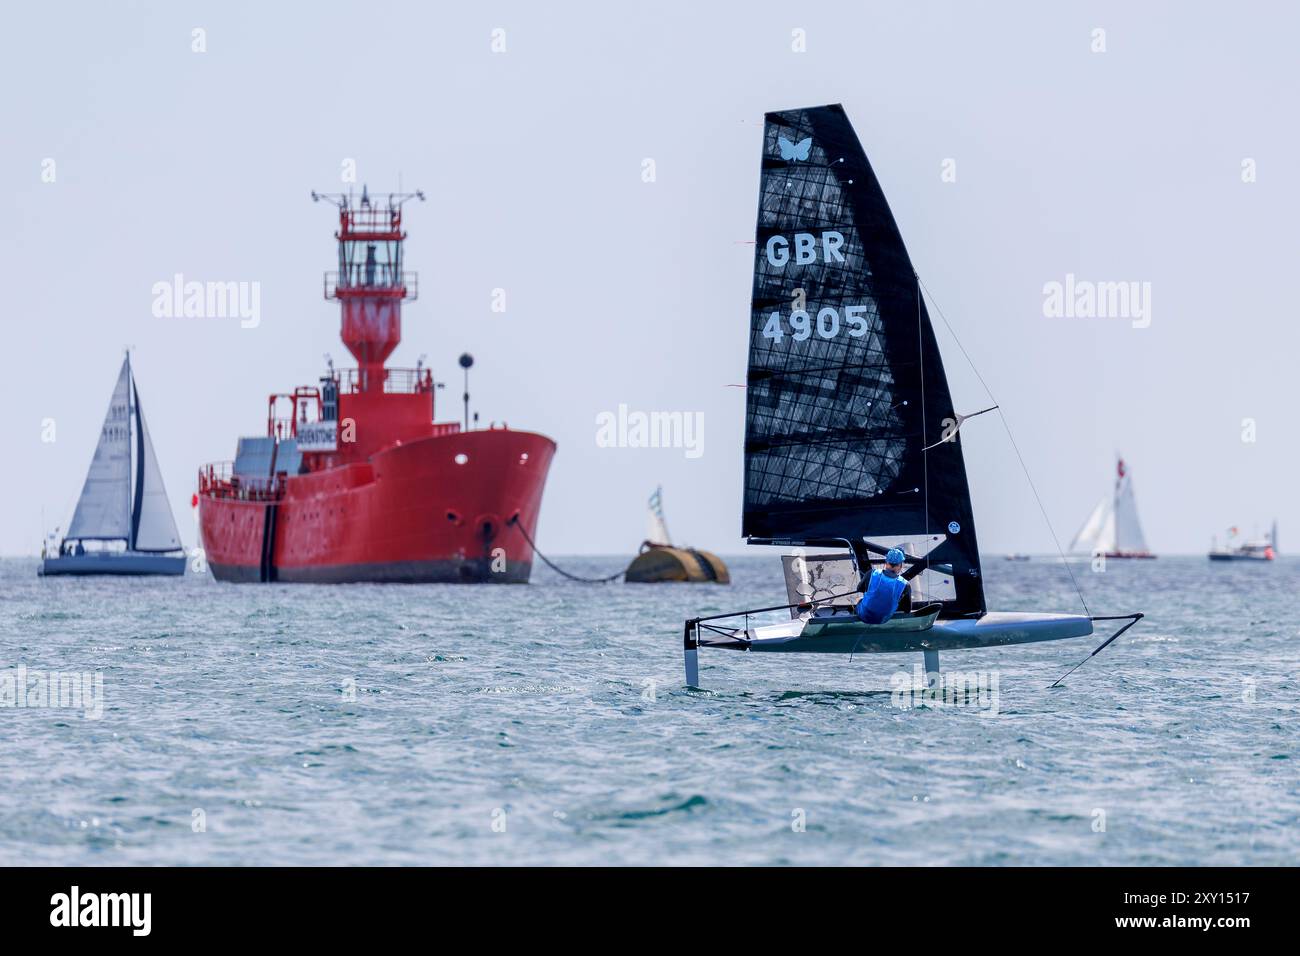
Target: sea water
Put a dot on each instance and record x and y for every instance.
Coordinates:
(548, 724)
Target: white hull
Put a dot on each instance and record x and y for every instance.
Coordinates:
(113, 562)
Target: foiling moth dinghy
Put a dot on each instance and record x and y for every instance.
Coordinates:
(851, 438)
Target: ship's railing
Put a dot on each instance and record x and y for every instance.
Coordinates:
(381, 279)
(370, 220)
(217, 480)
(397, 381)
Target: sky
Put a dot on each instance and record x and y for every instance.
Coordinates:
(1155, 151)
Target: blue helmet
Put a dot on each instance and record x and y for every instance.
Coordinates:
(894, 556)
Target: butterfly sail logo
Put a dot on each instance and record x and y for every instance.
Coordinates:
(794, 151)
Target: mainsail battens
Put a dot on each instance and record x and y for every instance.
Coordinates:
(846, 382)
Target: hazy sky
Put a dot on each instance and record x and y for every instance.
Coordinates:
(1122, 165)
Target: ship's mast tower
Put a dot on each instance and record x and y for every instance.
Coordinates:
(370, 283)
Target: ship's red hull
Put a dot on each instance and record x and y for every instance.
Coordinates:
(436, 509)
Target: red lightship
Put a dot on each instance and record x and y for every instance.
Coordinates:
(358, 482)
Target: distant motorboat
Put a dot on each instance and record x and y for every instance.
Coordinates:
(123, 512)
(1261, 549)
(1017, 556)
(1113, 529)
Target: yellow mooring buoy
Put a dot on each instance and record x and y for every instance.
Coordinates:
(659, 562)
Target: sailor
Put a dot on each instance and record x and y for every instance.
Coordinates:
(885, 592)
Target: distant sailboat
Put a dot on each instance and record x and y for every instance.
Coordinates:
(656, 526)
(852, 441)
(1264, 549)
(1113, 528)
(123, 510)
(660, 560)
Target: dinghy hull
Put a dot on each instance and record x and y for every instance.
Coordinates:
(901, 635)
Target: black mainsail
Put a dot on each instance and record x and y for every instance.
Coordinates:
(847, 403)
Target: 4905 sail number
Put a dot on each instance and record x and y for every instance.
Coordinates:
(828, 324)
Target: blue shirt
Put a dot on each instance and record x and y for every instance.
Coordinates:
(881, 600)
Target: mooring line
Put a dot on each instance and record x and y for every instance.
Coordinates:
(514, 520)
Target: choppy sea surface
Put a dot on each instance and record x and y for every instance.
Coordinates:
(548, 724)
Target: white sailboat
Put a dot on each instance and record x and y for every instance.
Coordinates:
(123, 523)
(1113, 528)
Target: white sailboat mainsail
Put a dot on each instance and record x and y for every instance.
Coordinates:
(155, 527)
(104, 508)
(1128, 530)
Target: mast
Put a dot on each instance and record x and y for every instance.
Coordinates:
(1119, 482)
(138, 506)
(130, 414)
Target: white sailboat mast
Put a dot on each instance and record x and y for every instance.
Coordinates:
(130, 443)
